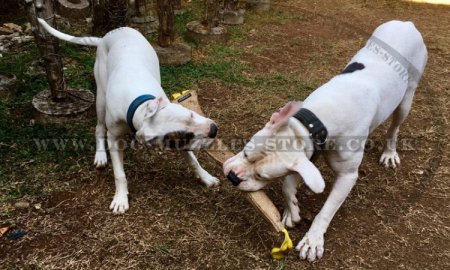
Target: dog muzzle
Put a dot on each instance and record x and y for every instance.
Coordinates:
(234, 179)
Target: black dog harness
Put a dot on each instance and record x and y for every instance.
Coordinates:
(133, 107)
(317, 130)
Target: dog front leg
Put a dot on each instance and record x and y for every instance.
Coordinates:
(291, 214)
(311, 246)
(116, 150)
(201, 173)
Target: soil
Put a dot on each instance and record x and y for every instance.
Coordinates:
(392, 219)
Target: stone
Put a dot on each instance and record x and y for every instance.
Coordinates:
(258, 5)
(78, 104)
(202, 34)
(6, 30)
(177, 54)
(22, 205)
(232, 17)
(73, 8)
(13, 27)
(143, 19)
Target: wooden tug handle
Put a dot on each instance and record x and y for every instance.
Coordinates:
(219, 152)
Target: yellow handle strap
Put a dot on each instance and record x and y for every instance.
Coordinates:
(177, 95)
(281, 252)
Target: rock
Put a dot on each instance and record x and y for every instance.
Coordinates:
(177, 54)
(22, 205)
(13, 27)
(202, 34)
(232, 17)
(37, 206)
(143, 19)
(22, 39)
(258, 5)
(73, 8)
(5, 31)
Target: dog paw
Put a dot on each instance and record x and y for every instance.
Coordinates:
(311, 246)
(119, 204)
(100, 160)
(390, 159)
(210, 181)
(290, 219)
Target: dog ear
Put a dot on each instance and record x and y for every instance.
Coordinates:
(282, 116)
(153, 106)
(310, 174)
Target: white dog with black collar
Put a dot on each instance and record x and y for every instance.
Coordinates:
(379, 81)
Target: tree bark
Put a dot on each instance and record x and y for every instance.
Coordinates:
(140, 8)
(211, 13)
(166, 16)
(231, 4)
(109, 15)
(48, 46)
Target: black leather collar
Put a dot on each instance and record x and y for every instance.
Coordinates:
(317, 130)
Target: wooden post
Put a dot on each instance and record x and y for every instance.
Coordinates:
(48, 46)
(166, 17)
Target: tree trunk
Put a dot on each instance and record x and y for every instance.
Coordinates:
(231, 4)
(166, 16)
(117, 14)
(99, 19)
(48, 46)
(109, 15)
(211, 14)
(140, 7)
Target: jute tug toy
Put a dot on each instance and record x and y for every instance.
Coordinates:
(258, 199)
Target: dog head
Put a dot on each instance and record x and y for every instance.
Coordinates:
(271, 154)
(169, 125)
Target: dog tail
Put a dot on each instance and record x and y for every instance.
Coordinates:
(89, 41)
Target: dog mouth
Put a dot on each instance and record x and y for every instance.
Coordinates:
(177, 140)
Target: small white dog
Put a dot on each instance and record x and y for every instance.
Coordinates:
(378, 82)
(130, 97)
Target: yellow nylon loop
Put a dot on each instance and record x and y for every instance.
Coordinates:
(282, 251)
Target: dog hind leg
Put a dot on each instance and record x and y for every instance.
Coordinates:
(389, 157)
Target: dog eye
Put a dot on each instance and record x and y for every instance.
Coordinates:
(245, 155)
(258, 175)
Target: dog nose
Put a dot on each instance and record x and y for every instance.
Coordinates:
(212, 131)
(234, 179)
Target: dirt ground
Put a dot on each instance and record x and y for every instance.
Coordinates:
(393, 219)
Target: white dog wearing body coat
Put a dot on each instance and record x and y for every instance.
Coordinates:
(379, 81)
(129, 96)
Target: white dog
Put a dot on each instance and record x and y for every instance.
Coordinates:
(379, 81)
(130, 97)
